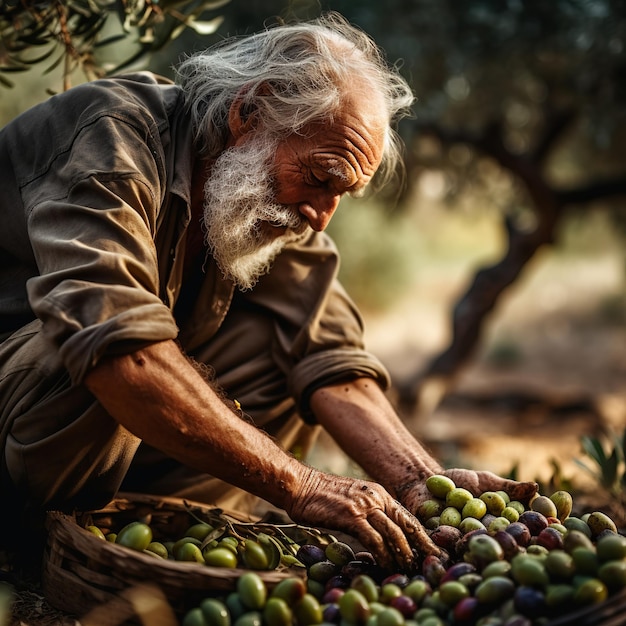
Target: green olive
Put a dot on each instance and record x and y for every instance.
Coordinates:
(252, 591)
(598, 521)
(586, 561)
(354, 607)
(183, 541)
(219, 557)
(510, 513)
(215, 612)
(277, 613)
(528, 571)
(575, 523)
(564, 503)
(559, 595)
(452, 592)
(250, 618)
(199, 530)
(560, 565)
(135, 535)
(366, 585)
(494, 501)
(458, 497)
(450, 516)
(543, 505)
(439, 485)
(189, 552)
(495, 590)
(308, 610)
(254, 556)
(613, 574)
(429, 508)
(390, 617)
(158, 548)
(339, 553)
(94, 530)
(592, 591)
(474, 508)
(194, 617)
(611, 547)
(289, 589)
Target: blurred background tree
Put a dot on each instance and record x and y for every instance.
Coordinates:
(518, 135)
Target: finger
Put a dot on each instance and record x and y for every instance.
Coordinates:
(402, 534)
(397, 549)
(521, 491)
(416, 534)
(373, 541)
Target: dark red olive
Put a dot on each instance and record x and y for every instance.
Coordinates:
(332, 595)
(405, 605)
(508, 544)
(467, 610)
(446, 537)
(433, 570)
(550, 538)
(401, 580)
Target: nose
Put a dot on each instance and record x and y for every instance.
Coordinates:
(320, 210)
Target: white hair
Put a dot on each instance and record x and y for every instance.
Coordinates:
(292, 75)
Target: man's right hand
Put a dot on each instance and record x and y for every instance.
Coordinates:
(365, 510)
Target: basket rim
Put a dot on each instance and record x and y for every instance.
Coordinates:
(66, 524)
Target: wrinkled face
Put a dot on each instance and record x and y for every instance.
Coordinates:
(262, 194)
(313, 171)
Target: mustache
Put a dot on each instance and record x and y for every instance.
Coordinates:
(282, 217)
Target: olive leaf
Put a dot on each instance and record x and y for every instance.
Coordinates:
(76, 29)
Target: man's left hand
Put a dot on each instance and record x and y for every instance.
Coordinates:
(476, 482)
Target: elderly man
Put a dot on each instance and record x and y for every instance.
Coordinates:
(170, 317)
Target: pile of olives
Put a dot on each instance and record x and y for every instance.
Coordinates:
(502, 564)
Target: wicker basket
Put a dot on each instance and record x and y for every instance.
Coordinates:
(611, 612)
(81, 572)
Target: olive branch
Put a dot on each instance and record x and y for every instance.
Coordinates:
(70, 32)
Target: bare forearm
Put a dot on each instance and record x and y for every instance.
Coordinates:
(362, 421)
(158, 396)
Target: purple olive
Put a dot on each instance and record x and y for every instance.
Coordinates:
(535, 521)
(337, 581)
(454, 572)
(308, 554)
(529, 601)
(331, 614)
(520, 532)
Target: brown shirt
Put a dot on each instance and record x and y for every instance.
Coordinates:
(95, 205)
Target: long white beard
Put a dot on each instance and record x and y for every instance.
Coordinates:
(238, 199)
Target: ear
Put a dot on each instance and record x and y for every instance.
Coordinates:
(242, 117)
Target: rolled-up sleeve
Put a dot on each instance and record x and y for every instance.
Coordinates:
(318, 329)
(91, 221)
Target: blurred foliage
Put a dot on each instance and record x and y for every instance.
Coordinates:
(70, 32)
